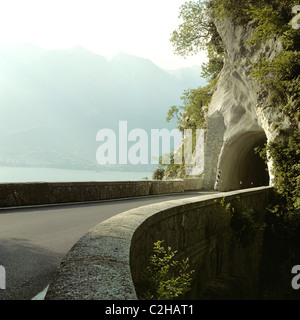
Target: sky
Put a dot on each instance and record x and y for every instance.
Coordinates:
(138, 27)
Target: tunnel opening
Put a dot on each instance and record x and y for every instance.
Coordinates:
(253, 169)
(240, 166)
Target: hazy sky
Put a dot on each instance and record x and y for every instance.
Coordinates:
(137, 27)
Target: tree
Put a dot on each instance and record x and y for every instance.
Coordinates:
(195, 31)
(191, 115)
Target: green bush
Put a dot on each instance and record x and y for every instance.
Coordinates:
(244, 222)
(158, 174)
(166, 278)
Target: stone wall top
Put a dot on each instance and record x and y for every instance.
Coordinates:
(99, 266)
(45, 193)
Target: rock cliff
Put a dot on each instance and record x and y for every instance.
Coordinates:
(239, 117)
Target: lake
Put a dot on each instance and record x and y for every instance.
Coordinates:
(27, 174)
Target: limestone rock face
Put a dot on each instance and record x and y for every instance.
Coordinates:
(239, 118)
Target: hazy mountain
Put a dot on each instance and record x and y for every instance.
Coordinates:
(52, 103)
(190, 76)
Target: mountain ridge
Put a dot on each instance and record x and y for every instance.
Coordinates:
(76, 92)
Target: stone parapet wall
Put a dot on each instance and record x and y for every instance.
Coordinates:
(43, 193)
(109, 261)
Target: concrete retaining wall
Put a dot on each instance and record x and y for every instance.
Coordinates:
(108, 262)
(39, 193)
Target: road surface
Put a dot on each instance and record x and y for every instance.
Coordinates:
(33, 241)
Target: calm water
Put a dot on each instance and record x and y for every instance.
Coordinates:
(20, 174)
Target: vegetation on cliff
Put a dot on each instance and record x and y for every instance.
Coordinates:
(165, 278)
(196, 33)
(279, 77)
(279, 80)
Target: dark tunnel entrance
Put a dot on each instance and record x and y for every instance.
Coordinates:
(253, 169)
(240, 166)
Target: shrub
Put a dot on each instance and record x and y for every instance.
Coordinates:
(243, 223)
(158, 174)
(166, 278)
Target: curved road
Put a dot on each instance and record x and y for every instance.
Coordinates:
(34, 240)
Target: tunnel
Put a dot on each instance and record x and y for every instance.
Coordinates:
(240, 167)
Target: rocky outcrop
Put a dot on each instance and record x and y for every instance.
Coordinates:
(239, 117)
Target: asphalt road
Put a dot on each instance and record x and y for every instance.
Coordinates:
(33, 241)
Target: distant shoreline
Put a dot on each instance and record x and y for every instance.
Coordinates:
(35, 174)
